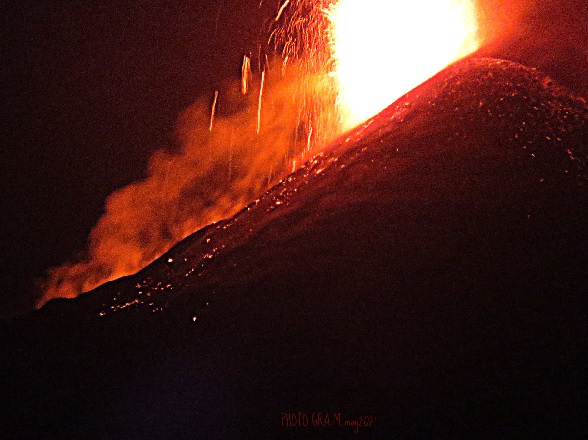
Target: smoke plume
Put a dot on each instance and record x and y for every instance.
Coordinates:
(233, 147)
(231, 151)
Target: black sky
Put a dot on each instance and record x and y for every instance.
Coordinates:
(91, 89)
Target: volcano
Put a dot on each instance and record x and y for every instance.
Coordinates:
(425, 276)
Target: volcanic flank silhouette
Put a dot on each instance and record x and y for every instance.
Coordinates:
(428, 273)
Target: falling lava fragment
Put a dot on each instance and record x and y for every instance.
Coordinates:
(431, 267)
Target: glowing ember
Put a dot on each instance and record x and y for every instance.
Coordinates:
(213, 111)
(259, 103)
(385, 48)
(245, 74)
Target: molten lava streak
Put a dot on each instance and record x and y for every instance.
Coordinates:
(385, 48)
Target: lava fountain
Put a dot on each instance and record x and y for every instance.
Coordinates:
(382, 49)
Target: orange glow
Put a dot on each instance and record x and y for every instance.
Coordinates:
(385, 48)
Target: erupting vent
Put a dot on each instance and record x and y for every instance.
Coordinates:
(383, 49)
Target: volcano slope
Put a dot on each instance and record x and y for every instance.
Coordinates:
(429, 270)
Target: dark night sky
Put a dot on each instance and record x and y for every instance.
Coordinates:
(91, 89)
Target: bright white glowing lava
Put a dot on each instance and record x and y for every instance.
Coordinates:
(385, 48)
